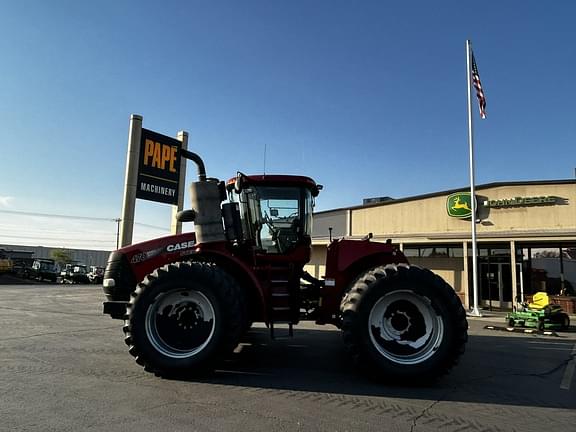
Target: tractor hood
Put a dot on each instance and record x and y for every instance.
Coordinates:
(129, 265)
(141, 252)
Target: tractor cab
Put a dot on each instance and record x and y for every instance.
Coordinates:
(275, 210)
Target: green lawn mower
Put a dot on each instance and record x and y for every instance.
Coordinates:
(539, 314)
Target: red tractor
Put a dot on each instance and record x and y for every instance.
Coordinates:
(186, 300)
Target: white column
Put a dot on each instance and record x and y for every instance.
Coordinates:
(348, 223)
(466, 278)
(513, 271)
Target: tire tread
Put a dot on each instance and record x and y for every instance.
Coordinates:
(228, 292)
(391, 274)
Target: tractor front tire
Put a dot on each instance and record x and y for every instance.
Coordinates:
(183, 318)
(403, 324)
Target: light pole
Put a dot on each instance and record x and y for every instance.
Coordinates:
(117, 220)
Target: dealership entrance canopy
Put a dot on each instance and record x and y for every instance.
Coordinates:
(526, 237)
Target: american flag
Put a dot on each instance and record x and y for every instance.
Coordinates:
(478, 87)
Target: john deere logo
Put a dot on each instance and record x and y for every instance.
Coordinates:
(459, 205)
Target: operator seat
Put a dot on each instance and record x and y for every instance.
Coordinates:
(287, 238)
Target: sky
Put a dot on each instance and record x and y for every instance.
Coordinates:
(366, 97)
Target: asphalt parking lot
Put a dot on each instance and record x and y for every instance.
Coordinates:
(64, 367)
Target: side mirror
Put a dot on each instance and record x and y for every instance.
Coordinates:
(274, 212)
(186, 216)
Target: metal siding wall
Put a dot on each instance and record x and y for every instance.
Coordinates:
(336, 219)
(84, 256)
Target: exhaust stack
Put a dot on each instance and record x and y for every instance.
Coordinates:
(205, 199)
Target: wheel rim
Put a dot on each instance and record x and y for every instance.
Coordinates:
(405, 328)
(180, 323)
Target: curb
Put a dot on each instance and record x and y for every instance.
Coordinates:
(522, 330)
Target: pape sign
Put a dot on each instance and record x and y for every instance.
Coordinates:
(158, 168)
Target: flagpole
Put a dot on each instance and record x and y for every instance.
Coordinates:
(475, 311)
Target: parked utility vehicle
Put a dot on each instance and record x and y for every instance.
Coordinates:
(74, 274)
(6, 264)
(96, 274)
(43, 269)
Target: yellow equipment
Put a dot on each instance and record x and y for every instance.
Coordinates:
(539, 301)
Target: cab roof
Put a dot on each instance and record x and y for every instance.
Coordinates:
(278, 180)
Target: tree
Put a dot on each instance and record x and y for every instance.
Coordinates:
(61, 256)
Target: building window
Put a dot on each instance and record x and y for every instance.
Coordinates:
(456, 252)
(550, 268)
(411, 252)
(545, 270)
(436, 251)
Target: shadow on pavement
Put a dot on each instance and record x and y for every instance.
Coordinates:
(13, 279)
(497, 370)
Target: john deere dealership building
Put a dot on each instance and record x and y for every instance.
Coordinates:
(526, 233)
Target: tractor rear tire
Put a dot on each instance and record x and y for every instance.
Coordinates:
(183, 318)
(403, 324)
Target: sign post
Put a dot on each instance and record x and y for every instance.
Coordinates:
(129, 201)
(176, 226)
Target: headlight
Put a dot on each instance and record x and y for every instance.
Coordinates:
(109, 283)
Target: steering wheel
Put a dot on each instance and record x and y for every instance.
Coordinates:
(270, 225)
(274, 231)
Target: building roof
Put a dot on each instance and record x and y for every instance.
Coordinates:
(451, 191)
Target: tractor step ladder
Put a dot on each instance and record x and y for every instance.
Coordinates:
(280, 302)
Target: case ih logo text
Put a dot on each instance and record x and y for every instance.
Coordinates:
(159, 168)
(459, 205)
(180, 246)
